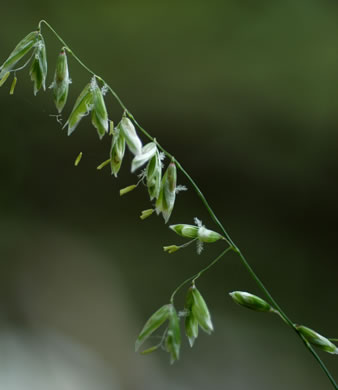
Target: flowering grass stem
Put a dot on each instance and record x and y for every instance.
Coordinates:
(232, 245)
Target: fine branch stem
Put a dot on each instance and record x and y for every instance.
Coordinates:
(232, 246)
(198, 274)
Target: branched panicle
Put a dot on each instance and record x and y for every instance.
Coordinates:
(161, 183)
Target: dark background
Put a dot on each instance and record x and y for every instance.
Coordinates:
(245, 95)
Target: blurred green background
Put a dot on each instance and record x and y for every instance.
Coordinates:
(245, 95)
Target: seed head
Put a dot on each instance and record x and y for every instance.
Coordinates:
(198, 233)
(153, 174)
(117, 150)
(82, 106)
(317, 339)
(128, 130)
(20, 51)
(61, 81)
(166, 200)
(250, 301)
(147, 152)
(99, 110)
(38, 69)
(188, 231)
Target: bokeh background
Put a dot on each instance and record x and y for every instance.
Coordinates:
(245, 95)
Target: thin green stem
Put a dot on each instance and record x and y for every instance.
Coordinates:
(207, 206)
(188, 243)
(198, 274)
(334, 340)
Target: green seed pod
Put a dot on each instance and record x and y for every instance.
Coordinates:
(191, 323)
(128, 130)
(250, 301)
(99, 112)
(38, 69)
(171, 248)
(148, 151)
(22, 48)
(78, 159)
(200, 311)
(103, 164)
(82, 107)
(150, 350)
(153, 323)
(11, 92)
(153, 175)
(117, 151)
(173, 339)
(318, 340)
(166, 200)
(146, 213)
(125, 190)
(206, 235)
(188, 231)
(61, 81)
